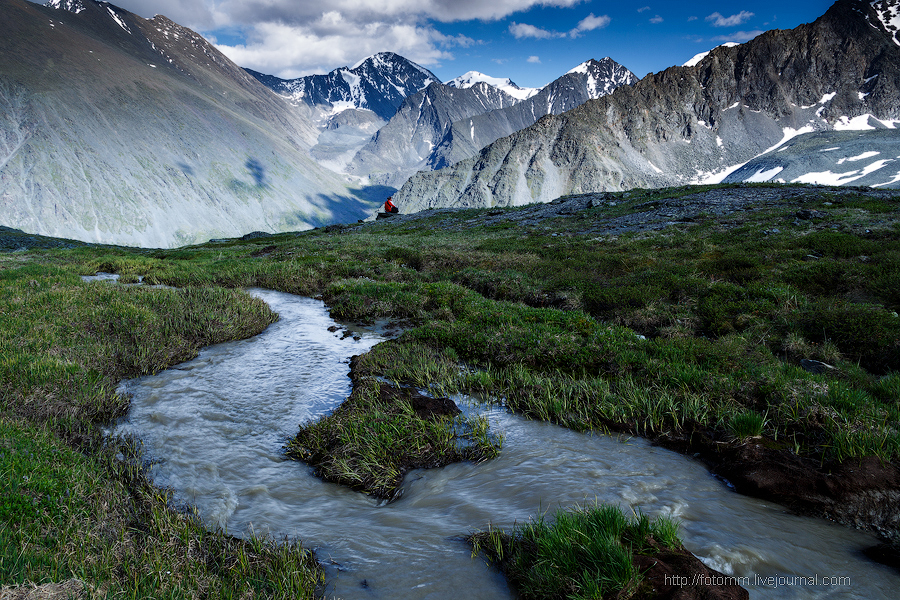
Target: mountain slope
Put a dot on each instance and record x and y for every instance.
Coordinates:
(119, 129)
(689, 123)
(447, 123)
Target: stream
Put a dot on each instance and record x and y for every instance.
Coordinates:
(215, 428)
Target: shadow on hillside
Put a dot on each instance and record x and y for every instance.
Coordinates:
(340, 208)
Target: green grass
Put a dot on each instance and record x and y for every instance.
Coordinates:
(583, 552)
(75, 505)
(376, 437)
(697, 325)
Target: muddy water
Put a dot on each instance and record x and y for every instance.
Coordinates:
(216, 426)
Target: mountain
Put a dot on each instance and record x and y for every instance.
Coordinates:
(349, 105)
(379, 83)
(404, 145)
(588, 81)
(447, 123)
(119, 129)
(691, 124)
(472, 78)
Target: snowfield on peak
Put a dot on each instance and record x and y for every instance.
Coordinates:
(472, 78)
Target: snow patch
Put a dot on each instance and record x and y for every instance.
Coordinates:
(789, 134)
(862, 156)
(862, 123)
(117, 19)
(699, 57)
(764, 175)
(890, 18)
(825, 99)
(712, 177)
(896, 179)
(829, 178)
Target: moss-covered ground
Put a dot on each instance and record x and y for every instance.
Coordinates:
(752, 323)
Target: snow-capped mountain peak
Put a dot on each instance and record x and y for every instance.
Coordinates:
(378, 83)
(473, 78)
(603, 76)
(74, 6)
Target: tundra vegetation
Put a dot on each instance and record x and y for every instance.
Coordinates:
(752, 324)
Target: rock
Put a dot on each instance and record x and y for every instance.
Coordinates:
(679, 575)
(254, 235)
(384, 215)
(427, 407)
(886, 554)
(815, 366)
(807, 214)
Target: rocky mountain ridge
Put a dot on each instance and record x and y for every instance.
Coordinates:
(691, 124)
(446, 123)
(380, 83)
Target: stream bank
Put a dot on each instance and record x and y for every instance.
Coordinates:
(221, 450)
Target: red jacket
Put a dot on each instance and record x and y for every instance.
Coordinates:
(388, 206)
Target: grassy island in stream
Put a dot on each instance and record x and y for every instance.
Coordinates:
(750, 325)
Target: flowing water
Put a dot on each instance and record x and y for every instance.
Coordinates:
(216, 427)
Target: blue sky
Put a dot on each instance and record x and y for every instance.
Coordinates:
(532, 42)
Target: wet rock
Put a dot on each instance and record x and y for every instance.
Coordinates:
(857, 492)
(679, 575)
(431, 408)
(861, 493)
(886, 554)
(815, 367)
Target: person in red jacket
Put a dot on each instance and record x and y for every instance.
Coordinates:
(389, 206)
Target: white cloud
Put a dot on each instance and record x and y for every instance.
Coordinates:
(721, 21)
(208, 14)
(534, 59)
(738, 36)
(643, 9)
(289, 38)
(523, 30)
(590, 23)
(291, 51)
(656, 19)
